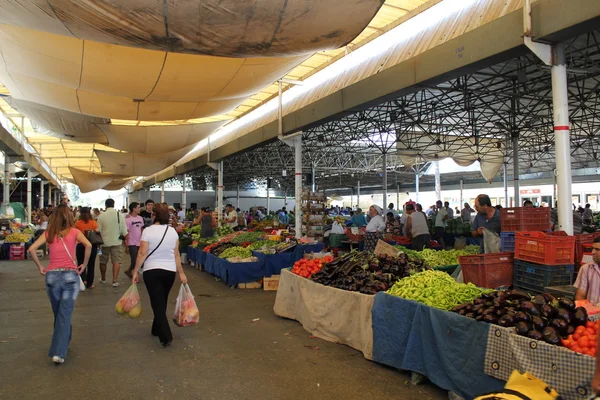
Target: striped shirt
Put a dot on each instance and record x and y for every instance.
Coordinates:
(588, 281)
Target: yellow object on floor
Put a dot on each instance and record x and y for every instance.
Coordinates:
(523, 386)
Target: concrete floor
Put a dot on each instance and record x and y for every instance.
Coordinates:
(225, 356)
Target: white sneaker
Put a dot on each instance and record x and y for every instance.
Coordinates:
(102, 282)
(116, 284)
(58, 360)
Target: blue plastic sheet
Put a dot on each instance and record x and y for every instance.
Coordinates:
(447, 348)
(191, 253)
(200, 257)
(274, 263)
(234, 273)
(300, 249)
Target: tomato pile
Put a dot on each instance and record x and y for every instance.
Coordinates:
(208, 248)
(306, 267)
(584, 340)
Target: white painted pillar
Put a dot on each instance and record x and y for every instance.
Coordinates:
(516, 186)
(560, 97)
(505, 179)
(268, 198)
(183, 194)
(41, 194)
(398, 196)
(220, 192)
(49, 193)
(462, 187)
(417, 186)
(29, 204)
(352, 198)
(357, 194)
(385, 185)
(6, 187)
(238, 196)
(313, 171)
(162, 192)
(438, 181)
(298, 185)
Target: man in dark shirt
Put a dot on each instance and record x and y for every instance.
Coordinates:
(147, 213)
(487, 217)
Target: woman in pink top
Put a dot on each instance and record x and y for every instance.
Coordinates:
(62, 275)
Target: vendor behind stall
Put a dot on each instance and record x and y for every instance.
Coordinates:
(416, 228)
(375, 228)
(487, 217)
(588, 279)
(358, 219)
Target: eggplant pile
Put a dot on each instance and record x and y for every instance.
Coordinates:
(367, 273)
(542, 317)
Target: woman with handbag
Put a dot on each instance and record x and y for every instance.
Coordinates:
(159, 254)
(62, 275)
(88, 226)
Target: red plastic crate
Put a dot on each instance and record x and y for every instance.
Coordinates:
(488, 270)
(355, 238)
(17, 252)
(522, 219)
(581, 241)
(556, 248)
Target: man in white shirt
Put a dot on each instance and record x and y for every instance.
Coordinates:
(113, 229)
(230, 216)
(440, 223)
(180, 215)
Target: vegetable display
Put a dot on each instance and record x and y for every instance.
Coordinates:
(247, 237)
(306, 268)
(365, 272)
(442, 258)
(223, 230)
(236, 251)
(410, 253)
(436, 289)
(217, 248)
(542, 317)
(262, 244)
(17, 238)
(583, 339)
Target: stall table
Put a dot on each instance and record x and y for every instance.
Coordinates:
(234, 273)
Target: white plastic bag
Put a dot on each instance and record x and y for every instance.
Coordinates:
(337, 229)
(186, 311)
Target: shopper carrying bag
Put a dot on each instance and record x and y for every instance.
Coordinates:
(159, 254)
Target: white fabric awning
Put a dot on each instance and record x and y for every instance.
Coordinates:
(229, 28)
(138, 164)
(90, 181)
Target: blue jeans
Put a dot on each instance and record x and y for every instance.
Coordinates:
(62, 288)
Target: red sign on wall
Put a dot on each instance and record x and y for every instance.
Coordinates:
(530, 191)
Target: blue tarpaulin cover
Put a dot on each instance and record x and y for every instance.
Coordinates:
(234, 273)
(274, 263)
(447, 348)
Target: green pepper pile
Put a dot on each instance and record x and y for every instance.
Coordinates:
(435, 289)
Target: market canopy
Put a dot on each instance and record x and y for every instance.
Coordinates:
(226, 28)
(111, 81)
(90, 181)
(87, 129)
(138, 164)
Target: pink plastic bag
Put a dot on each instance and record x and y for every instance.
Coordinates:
(128, 300)
(186, 311)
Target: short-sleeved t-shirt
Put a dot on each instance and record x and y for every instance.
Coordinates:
(83, 226)
(493, 224)
(134, 229)
(230, 215)
(588, 280)
(439, 219)
(164, 256)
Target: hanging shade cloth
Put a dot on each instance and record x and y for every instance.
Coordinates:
(464, 152)
(117, 184)
(138, 164)
(86, 129)
(111, 81)
(90, 181)
(230, 28)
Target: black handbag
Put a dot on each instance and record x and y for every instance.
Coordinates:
(94, 238)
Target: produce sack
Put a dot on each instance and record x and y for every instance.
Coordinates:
(491, 241)
(523, 386)
(128, 301)
(186, 311)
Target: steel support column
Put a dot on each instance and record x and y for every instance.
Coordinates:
(560, 99)
(29, 205)
(49, 193)
(438, 181)
(462, 187)
(357, 194)
(505, 180)
(313, 170)
(416, 186)
(41, 194)
(516, 186)
(220, 193)
(162, 192)
(183, 194)
(237, 195)
(385, 185)
(298, 185)
(6, 186)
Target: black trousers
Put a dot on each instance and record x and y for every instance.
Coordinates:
(420, 242)
(133, 252)
(88, 274)
(159, 283)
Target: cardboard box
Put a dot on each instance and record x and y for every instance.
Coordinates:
(271, 283)
(250, 285)
(385, 248)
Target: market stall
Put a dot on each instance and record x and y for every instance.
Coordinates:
(331, 314)
(233, 273)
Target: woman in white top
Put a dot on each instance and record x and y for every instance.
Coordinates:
(416, 228)
(375, 228)
(159, 254)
